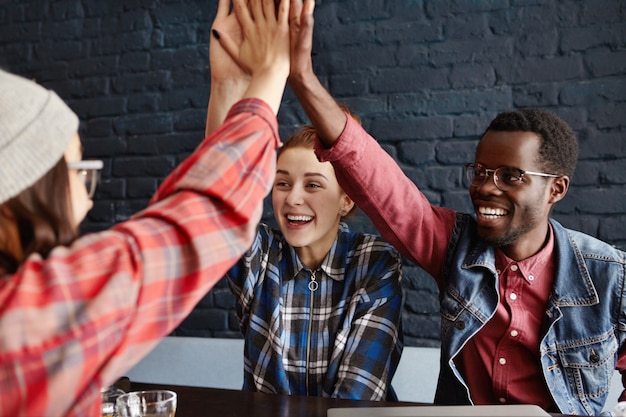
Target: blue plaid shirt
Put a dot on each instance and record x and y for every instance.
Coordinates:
(342, 339)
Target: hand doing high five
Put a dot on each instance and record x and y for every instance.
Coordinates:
(264, 48)
(301, 35)
(325, 114)
(229, 81)
(223, 67)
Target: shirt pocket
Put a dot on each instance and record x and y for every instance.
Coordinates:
(459, 319)
(451, 312)
(589, 366)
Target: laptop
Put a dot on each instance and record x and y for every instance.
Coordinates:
(513, 410)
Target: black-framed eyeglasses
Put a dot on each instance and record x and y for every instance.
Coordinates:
(505, 178)
(89, 173)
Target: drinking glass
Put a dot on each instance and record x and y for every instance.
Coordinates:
(155, 403)
(109, 396)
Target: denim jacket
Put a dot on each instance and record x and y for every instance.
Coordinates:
(584, 324)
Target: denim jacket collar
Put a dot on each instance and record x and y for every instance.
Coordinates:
(573, 285)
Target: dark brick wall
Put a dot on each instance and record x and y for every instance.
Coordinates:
(426, 76)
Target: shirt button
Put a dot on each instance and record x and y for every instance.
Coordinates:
(531, 277)
(513, 296)
(502, 361)
(513, 268)
(498, 271)
(514, 333)
(502, 400)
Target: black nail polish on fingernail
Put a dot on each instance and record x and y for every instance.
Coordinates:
(216, 34)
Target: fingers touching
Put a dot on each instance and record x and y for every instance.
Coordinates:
(273, 36)
(265, 34)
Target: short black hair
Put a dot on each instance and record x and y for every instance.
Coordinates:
(558, 151)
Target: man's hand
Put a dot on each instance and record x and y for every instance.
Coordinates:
(301, 36)
(323, 111)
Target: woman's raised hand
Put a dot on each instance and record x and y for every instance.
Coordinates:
(223, 67)
(264, 48)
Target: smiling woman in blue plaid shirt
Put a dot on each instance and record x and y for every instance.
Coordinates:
(318, 305)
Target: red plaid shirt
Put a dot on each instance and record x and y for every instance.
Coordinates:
(75, 322)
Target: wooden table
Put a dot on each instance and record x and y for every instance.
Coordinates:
(208, 402)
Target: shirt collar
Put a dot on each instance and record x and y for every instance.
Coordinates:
(532, 266)
(333, 263)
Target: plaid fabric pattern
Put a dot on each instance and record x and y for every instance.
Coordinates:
(73, 323)
(343, 339)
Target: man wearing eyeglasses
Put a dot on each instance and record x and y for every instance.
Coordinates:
(531, 312)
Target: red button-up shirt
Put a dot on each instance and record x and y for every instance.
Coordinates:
(501, 363)
(75, 322)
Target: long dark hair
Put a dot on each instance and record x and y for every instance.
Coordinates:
(41, 217)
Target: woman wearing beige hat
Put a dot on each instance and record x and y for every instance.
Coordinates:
(76, 313)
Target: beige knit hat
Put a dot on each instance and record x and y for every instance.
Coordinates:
(35, 129)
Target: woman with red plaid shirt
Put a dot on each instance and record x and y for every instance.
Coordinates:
(76, 313)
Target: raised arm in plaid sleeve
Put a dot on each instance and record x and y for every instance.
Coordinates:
(82, 317)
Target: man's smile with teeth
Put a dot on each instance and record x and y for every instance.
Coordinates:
(299, 219)
(491, 212)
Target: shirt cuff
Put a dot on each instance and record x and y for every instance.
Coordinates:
(261, 109)
(349, 146)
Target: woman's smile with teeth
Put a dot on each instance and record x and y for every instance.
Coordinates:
(299, 219)
(491, 212)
